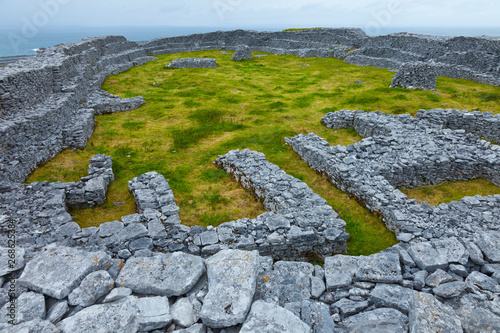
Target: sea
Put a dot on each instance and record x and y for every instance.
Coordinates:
(16, 41)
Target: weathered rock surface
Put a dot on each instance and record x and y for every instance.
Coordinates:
(270, 318)
(43, 273)
(232, 278)
(427, 314)
(94, 286)
(121, 316)
(171, 274)
(241, 53)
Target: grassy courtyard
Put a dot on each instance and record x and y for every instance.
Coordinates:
(191, 116)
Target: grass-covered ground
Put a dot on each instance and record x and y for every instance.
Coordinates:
(193, 115)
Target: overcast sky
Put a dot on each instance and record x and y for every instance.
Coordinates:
(247, 13)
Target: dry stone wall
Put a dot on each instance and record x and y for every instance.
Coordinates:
(400, 151)
(150, 273)
(47, 102)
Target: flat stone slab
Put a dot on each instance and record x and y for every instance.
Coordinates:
(171, 274)
(57, 271)
(428, 315)
(120, 316)
(193, 63)
(232, 277)
(28, 306)
(380, 267)
(392, 296)
(11, 260)
(153, 313)
(94, 286)
(378, 320)
(427, 257)
(489, 243)
(270, 318)
(340, 270)
(287, 282)
(33, 326)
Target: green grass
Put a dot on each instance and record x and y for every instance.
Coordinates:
(452, 191)
(192, 116)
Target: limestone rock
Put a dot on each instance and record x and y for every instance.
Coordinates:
(94, 286)
(120, 316)
(270, 318)
(450, 290)
(415, 75)
(185, 313)
(489, 243)
(43, 273)
(117, 294)
(287, 282)
(339, 271)
(380, 267)
(477, 282)
(378, 320)
(232, 278)
(28, 306)
(392, 296)
(57, 311)
(32, 326)
(171, 274)
(11, 260)
(427, 257)
(241, 53)
(428, 315)
(153, 313)
(438, 277)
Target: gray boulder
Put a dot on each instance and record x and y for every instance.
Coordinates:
(438, 277)
(171, 274)
(428, 315)
(241, 53)
(94, 286)
(43, 273)
(232, 276)
(270, 318)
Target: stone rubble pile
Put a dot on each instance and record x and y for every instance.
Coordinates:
(400, 151)
(415, 75)
(444, 284)
(241, 53)
(193, 63)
